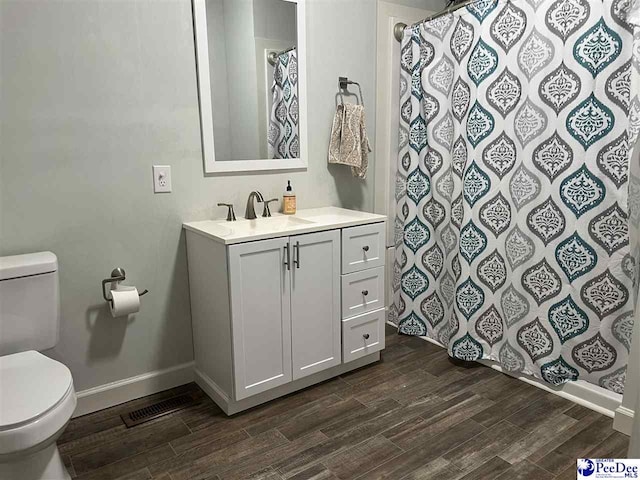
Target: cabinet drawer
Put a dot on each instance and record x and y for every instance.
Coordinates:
(362, 292)
(362, 335)
(363, 247)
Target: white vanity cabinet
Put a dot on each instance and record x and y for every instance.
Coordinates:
(285, 309)
(275, 315)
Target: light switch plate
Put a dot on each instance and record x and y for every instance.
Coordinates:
(161, 178)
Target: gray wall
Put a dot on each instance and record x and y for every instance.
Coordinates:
(218, 77)
(274, 19)
(434, 5)
(92, 95)
(242, 84)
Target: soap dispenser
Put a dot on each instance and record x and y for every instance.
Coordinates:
(289, 200)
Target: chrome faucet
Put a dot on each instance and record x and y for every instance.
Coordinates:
(250, 213)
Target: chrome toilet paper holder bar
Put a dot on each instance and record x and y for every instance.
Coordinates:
(117, 275)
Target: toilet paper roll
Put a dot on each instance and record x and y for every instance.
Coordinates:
(125, 301)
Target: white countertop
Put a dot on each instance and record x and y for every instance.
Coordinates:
(304, 221)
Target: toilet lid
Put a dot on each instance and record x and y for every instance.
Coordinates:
(30, 385)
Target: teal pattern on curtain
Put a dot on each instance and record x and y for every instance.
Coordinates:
(512, 226)
(283, 139)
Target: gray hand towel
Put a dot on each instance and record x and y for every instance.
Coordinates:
(349, 143)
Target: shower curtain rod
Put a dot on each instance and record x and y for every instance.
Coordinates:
(273, 56)
(398, 29)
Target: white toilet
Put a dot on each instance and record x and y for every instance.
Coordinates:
(37, 397)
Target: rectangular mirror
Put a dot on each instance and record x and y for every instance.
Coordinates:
(252, 84)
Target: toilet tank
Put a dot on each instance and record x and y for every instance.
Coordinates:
(29, 302)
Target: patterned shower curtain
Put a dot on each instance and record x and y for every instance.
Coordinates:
(283, 137)
(517, 121)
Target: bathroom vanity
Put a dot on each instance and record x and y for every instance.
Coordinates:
(284, 302)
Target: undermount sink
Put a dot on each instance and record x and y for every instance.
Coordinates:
(273, 223)
(305, 221)
(261, 227)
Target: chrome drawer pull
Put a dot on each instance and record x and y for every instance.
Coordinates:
(287, 261)
(366, 336)
(365, 292)
(296, 254)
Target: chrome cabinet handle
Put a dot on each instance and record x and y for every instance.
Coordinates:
(296, 254)
(365, 336)
(287, 260)
(365, 248)
(365, 292)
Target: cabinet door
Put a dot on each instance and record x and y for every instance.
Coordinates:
(315, 302)
(261, 315)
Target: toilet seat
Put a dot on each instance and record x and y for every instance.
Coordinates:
(37, 400)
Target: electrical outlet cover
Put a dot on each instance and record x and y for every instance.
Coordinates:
(162, 178)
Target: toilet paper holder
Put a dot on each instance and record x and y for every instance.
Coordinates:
(117, 275)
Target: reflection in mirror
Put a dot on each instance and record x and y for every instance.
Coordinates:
(250, 83)
(282, 136)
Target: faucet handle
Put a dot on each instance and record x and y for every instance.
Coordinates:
(231, 215)
(266, 212)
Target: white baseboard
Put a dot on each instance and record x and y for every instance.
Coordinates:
(582, 393)
(120, 391)
(623, 421)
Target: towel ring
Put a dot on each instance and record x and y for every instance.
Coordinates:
(343, 83)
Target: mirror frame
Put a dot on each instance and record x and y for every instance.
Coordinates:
(211, 165)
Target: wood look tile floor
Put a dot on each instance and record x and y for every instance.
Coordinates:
(414, 415)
